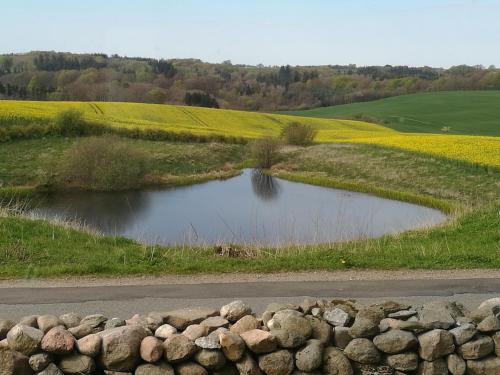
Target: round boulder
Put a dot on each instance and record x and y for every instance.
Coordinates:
(395, 341)
(235, 310)
(120, 350)
(58, 341)
(362, 351)
(309, 357)
(335, 362)
(24, 339)
(277, 363)
(154, 369)
(178, 348)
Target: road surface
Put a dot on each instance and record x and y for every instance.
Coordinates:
(17, 300)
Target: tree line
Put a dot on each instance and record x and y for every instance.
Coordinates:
(99, 77)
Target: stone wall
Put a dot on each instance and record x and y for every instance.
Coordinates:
(337, 337)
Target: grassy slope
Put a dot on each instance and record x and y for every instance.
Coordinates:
(181, 118)
(466, 112)
(29, 249)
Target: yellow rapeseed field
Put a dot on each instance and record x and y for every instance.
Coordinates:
(204, 121)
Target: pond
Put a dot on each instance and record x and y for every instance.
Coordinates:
(250, 208)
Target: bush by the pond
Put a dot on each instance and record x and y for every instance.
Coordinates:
(103, 163)
(298, 134)
(265, 151)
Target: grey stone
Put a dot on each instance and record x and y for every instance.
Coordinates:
(395, 341)
(70, 319)
(94, 320)
(247, 365)
(456, 365)
(14, 363)
(190, 368)
(277, 363)
(308, 304)
(287, 339)
(496, 340)
(40, 361)
(335, 362)
(403, 314)
(291, 321)
(120, 349)
(336, 317)
(24, 339)
(208, 342)
(321, 330)
(437, 367)
(210, 359)
(47, 322)
(403, 361)
(439, 314)
(486, 366)
(165, 331)
(214, 322)
(362, 351)
(463, 333)
(77, 364)
(435, 344)
(183, 318)
(30, 321)
(309, 357)
(485, 309)
(154, 369)
(178, 348)
(114, 323)
(341, 337)
(51, 369)
(235, 310)
(5, 327)
(477, 348)
(367, 323)
(489, 324)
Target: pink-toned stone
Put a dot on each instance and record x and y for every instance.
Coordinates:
(151, 349)
(247, 323)
(259, 341)
(58, 341)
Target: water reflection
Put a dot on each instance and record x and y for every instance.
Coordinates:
(265, 186)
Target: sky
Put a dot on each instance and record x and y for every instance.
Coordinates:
(438, 33)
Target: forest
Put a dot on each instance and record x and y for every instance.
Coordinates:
(59, 76)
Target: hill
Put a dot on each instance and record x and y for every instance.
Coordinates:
(464, 112)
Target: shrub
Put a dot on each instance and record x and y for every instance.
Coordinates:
(265, 151)
(70, 122)
(298, 134)
(103, 163)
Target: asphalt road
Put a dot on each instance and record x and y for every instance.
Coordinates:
(126, 300)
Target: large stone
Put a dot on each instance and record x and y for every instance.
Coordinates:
(287, 339)
(246, 323)
(395, 341)
(463, 333)
(487, 366)
(440, 314)
(277, 363)
(367, 323)
(83, 330)
(24, 339)
(247, 365)
(235, 310)
(336, 317)
(477, 348)
(291, 321)
(456, 365)
(155, 369)
(77, 364)
(405, 325)
(435, 344)
(362, 351)
(114, 323)
(89, 345)
(190, 368)
(120, 349)
(40, 361)
(195, 331)
(95, 320)
(437, 367)
(232, 345)
(70, 320)
(58, 341)
(214, 322)
(51, 369)
(14, 363)
(341, 337)
(178, 348)
(335, 362)
(259, 341)
(210, 359)
(321, 330)
(403, 361)
(151, 349)
(489, 324)
(485, 309)
(309, 357)
(5, 327)
(496, 340)
(182, 318)
(47, 322)
(164, 331)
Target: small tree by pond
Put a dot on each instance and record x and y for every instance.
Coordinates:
(103, 163)
(265, 151)
(298, 134)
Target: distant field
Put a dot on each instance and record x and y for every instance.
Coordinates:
(465, 112)
(195, 120)
(205, 121)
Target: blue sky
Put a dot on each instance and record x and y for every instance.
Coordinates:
(272, 32)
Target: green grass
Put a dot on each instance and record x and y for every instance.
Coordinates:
(470, 239)
(465, 112)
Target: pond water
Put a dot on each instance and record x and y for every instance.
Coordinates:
(250, 208)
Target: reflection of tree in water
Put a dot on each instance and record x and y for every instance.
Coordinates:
(264, 186)
(108, 212)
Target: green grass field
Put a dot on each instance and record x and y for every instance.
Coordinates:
(465, 112)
